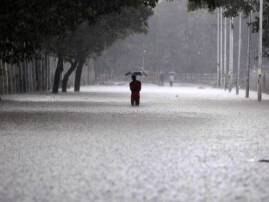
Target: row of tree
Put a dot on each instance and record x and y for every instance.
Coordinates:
(70, 30)
(229, 9)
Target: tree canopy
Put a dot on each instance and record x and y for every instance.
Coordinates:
(90, 41)
(231, 7)
(26, 24)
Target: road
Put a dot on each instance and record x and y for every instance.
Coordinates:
(184, 143)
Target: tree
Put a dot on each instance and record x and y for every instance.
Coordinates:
(27, 25)
(232, 9)
(231, 51)
(239, 54)
(218, 47)
(260, 51)
(221, 48)
(248, 55)
(225, 54)
(90, 41)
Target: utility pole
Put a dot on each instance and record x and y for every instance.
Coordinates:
(248, 54)
(239, 54)
(225, 54)
(231, 53)
(260, 52)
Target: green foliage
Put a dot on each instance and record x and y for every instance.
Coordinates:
(91, 40)
(231, 7)
(265, 28)
(26, 24)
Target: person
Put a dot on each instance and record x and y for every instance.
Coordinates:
(171, 79)
(135, 87)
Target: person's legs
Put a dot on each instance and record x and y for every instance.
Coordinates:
(132, 101)
(137, 101)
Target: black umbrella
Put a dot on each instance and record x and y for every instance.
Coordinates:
(140, 73)
(172, 73)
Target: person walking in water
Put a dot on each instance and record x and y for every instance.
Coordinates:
(135, 87)
(171, 79)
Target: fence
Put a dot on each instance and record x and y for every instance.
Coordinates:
(154, 77)
(199, 78)
(25, 77)
(37, 75)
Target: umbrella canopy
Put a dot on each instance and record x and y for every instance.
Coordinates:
(139, 73)
(172, 73)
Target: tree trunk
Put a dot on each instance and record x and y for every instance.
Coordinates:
(248, 54)
(21, 77)
(37, 75)
(260, 52)
(57, 75)
(7, 78)
(26, 79)
(1, 78)
(225, 54)
(67, 75)
(231, 54)
(49, 69)
(239, 55)
(78, 76)
(47, 72)
(221, 47)
(218, 48)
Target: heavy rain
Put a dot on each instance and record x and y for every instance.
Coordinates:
(134, 100)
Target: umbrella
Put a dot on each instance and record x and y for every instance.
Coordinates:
(140, 73)
(172, 73)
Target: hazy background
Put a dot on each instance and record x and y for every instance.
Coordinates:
(177, 40)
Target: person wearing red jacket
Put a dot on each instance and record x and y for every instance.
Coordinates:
(135, 87)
